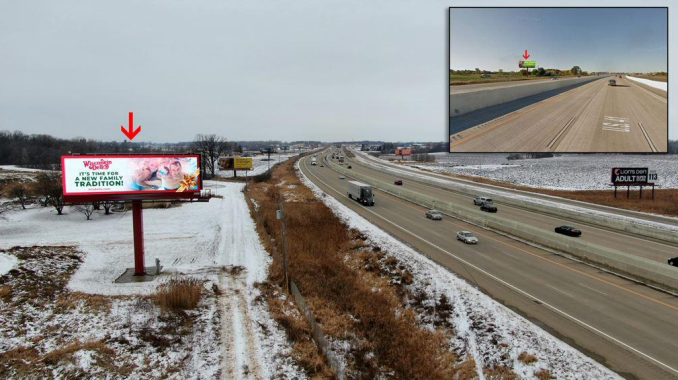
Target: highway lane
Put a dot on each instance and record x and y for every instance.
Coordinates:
(633, 328)
(593, 117)
(638, 246)
(564, 201)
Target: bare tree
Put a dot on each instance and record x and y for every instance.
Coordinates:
(5, 208)
(48, 185)
(210, 148)
(107, 206)
(87, 209)
(21, 192)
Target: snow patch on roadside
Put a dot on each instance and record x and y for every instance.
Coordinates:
(651, 83)
(7, 263)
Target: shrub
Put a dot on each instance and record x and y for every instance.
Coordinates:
(178, 294)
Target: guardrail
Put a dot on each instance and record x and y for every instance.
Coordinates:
(640, 269)
(562, 212)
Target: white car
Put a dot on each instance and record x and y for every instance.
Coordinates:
(434, 214)
(467, 237)
(479, 201)
(342, 177)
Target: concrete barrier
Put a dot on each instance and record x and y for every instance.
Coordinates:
(467, 101)
(641, 269)
(593, 218)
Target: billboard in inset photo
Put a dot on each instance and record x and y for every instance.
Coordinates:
(562, 80)
(119, 177)
(235, 163)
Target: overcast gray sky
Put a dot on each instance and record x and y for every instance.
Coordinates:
(289, 70)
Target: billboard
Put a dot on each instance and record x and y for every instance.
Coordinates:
(527, 64)
(403, 152)
(629, 176)
(235, 163)
(130, 177)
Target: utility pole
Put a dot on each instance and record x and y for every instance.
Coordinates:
(281, 216)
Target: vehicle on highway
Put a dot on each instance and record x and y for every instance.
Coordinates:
(361, 192)
(674, 261)
(434, 215)
(568, 230)
(342, 177)
(554, 78)
(612, 82)
(479, 201)
(398, 182)
(349, 167)
(467, 237)
(314, 161)
(322, 165)
(488, 207)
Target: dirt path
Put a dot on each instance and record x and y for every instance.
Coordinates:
(240, 359)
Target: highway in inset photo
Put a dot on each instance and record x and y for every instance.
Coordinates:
(596, 116)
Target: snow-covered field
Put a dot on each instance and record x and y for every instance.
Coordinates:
(476, 313)
(196, 239)
(260, 164)
(652, 83)
(18, 168)
(7, 262)
(563, 172)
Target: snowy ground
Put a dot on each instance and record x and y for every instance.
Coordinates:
(481, 323)
(195, 239)
(19, 169)
(259, 164)
(7, 262)
(563, 172)
(652, 83)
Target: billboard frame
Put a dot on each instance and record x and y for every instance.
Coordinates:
(84, 197)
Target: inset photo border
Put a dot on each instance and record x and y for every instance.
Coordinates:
(558, 79)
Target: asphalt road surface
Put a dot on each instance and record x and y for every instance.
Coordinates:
(457, 89)
(593, 117)
(632, 329)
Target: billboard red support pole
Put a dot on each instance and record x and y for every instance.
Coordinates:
(138, 226)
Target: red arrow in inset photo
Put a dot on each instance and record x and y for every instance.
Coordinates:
(526, 56)
(131, 133)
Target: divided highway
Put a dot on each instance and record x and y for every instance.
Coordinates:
(593, 117)
(631, 328)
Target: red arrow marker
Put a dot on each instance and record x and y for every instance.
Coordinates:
(131, 133)
(526, 56)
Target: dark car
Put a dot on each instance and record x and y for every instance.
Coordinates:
(488, 207)
(674, 261)
(568, 230)
(350, 167)
(398, 182)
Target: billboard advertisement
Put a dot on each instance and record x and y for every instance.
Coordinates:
(129, 177)
(527, 64)
(403, 152)
(235, 163)
(627, 176)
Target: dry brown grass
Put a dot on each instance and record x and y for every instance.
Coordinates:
(527, 358)
(500, 373)
(543, 374)
(317, 244)
(665, 202)
(178, 294)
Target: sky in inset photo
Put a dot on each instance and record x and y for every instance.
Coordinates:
(595, 39)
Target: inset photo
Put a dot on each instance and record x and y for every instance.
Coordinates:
(569, 80)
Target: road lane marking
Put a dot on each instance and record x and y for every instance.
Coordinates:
(582, 323)
(560, 133)
(588, 287)
(616, 124)
(553, 287)
(647, 137)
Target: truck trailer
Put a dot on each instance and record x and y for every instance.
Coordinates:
(361, 192)
(314, 161)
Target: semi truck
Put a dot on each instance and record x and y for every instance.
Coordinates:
(314, 161)
(361, 192)
(612, 82)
